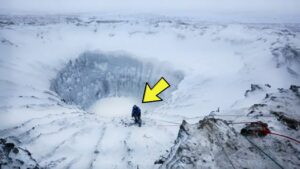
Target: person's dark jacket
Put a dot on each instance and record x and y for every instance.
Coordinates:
(136, 112)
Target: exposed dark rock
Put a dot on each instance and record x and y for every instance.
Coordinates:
(295, 89)
(257, 106)
(289, 57)
(254, 87)
(268, 85)
(8, 147)
(288, 121)
(12, 156)
(160, 161)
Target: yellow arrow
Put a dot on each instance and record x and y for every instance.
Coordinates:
(150, 94)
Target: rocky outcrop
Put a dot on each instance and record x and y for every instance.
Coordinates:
(12, 156)
(217, 144)
(289, 57)
(256, 87)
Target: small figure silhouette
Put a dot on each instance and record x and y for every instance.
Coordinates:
(136, 114)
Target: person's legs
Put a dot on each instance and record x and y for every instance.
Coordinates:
(139, 121)
(136, 120)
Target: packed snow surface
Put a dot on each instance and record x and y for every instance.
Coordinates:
(107, 106)
(70, 109)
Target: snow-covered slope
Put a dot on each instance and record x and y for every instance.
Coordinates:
(217, 143)
(211, 64)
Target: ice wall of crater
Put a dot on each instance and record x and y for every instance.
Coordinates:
(96, 75)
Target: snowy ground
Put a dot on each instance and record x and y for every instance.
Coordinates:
(219, 61)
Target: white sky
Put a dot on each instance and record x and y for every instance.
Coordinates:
(284, 9)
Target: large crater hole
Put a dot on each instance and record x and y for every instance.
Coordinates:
(109, 83)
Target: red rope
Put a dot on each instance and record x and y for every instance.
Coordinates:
(290, 138)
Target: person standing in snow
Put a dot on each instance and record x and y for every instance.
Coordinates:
(136, 114)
